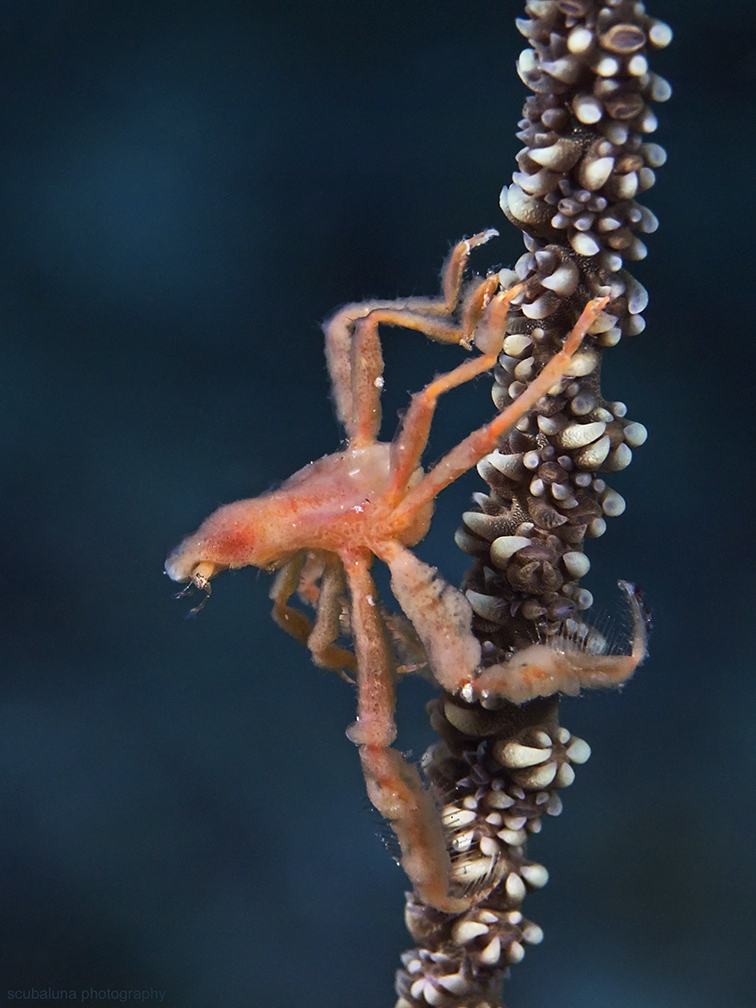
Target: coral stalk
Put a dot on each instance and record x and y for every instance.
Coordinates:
(500, 764)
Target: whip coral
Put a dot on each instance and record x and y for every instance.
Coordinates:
(518, 635)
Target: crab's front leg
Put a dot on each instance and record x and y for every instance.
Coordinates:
(394, 786)
(321, 637)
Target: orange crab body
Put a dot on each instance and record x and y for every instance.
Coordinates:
(332, 504)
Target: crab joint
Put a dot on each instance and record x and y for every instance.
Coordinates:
(199, 580)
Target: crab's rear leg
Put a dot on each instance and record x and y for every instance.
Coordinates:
(367, 358)
(415, 313)
(412, 438)
(393, 785)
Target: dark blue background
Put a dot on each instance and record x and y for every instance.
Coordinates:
(186, 189)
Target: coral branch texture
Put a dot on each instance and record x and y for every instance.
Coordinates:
(499, 767)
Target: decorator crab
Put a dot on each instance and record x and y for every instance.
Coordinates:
(322, 529)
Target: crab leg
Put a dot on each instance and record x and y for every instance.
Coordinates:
(320, 638)
(295, 623)
(412, 438)
(541, 670)
(394, 786)
(413, 313)
(440, 614)
(478, 444)
(367, 359)
(321, 641)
